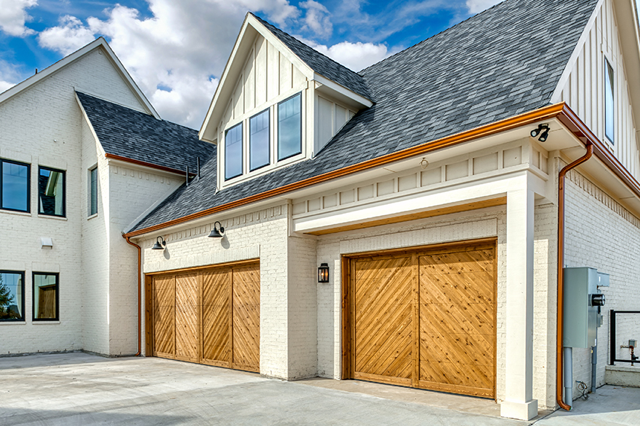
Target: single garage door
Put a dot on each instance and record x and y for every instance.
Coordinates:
(423, 318)
(209, 316)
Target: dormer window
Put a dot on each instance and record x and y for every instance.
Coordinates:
(233, 152)
(259, 141)
(289, 127)
(609, 102)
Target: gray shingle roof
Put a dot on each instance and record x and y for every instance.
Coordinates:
(139, 136)
(321, 64)
(495, 65)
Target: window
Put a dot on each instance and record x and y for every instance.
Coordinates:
(14, 186)
(290, 127)
(93, 191)
(233, 152)
(259, 140)
(11, 296)
(51, 198)
(609, 102)
(45, 296)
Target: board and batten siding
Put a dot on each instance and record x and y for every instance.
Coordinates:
(331, 116)
(266, 79)
(584, 90)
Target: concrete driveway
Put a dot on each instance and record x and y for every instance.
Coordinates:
(81, 389)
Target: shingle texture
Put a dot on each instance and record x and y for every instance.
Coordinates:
(321, 64)
(139, 136)
(498, 64)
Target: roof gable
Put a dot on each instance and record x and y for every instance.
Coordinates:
(99, 43)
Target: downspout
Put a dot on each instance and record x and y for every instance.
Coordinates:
(559, 354)
(139, 294)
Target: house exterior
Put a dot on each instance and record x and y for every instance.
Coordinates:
(444, 189)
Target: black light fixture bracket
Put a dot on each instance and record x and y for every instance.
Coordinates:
(542, 130)
(217, 231)
(160, 244)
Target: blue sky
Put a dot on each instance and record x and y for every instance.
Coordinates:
(176, 49)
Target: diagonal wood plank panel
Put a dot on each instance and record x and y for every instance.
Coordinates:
(164, 315)
(187, 329)
(216, 315)
(246, 318)
(383, 327)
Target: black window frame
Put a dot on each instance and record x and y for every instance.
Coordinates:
(278, 123)
(91, 194)
(28, 210)
(64, 191)
(268, 111)
(241, 125)
(33, 296)
(22, 319)
(608, 67)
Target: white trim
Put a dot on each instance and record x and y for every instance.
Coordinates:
(342, 90)
(99, 42)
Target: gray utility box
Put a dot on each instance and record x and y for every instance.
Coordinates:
(581, 309)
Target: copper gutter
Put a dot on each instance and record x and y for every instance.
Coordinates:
(559, 355)
(145, 164)
(139, 294)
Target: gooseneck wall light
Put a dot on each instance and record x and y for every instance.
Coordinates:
(323, 273)
(217, 231)
(160, 244)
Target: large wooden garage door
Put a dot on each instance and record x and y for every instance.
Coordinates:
(211, 316)
(424, 319)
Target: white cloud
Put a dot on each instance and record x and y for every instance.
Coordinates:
(66, 38)
(174, 54)
(8, 76)
(13, 17)
(317, 18)
(477, 6)
(355, 56)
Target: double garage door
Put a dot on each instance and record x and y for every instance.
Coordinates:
(209, 316)
(424, 319)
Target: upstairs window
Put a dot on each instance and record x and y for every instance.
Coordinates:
(259, 141)
(93, 191)
(14, 186)
(233, 152)
(45, 296)
(609, 102)
(51, 196)
(290, 127)
(11, 296)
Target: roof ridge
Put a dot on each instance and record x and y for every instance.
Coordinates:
(294, 37)
(434, 35)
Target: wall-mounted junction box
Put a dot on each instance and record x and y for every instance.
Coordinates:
(582, 302)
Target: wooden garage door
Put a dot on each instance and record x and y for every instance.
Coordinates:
(424, 319)
(210, 316)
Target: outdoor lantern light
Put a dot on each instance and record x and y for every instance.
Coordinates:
(160, 244)
(323, 273)
(543, 131)
(217, 231)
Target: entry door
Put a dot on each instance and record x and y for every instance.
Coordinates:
(424, 319)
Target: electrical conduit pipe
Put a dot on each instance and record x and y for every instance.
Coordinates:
(561, 211)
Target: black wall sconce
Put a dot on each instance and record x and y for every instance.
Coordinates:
(543, 131)
(323, 273)
(217, 231)
(160, 244)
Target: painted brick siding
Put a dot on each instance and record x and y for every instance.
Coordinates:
(259, 234)
(132, 190)
(602, 234)
(42, 126)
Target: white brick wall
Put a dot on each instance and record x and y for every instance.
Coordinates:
(42, 126)
(602, 234)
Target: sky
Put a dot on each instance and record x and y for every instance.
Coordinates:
(176, 50)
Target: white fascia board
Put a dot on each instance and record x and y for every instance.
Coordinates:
(216, 109)
(480, 190)
(99, 42)
(86, 118)
(557, 93)
(627, 20)
(342, 90)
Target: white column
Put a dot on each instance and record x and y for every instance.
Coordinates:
(519, 304)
